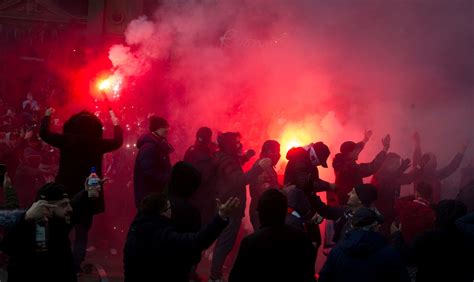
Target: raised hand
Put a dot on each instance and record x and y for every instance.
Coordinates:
(405, 164)
(113, 117)
(386, 142)
(367, 135)
(40, 210)
(226, 209)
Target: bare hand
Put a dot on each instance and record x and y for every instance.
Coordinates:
(394, 228)
(7, 182)
(416, 138)
(405, 164)
(265, 163)
(226, 209)
(386, 142)
(49, 112)
(39, 210)
(367, 135)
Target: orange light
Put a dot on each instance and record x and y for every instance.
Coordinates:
(104, 84)
(294, 135)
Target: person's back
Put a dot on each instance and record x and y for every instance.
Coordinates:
(364, 255)
(276, 252)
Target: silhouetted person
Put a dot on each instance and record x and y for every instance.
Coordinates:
(431, 173)
(155, 251)
(152, 165)
(82, 147)
(364, 255)
(266, 180)
(231, 182)
(348, 172)
(275, 252)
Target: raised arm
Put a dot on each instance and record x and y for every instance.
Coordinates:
(108, 145)
(54, 139)
(453, 165)
(417, 153)
(367, 169)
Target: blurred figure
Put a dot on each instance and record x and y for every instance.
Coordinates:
(466, 195)
(417, 215)
(364, 255)
(155, 251)
(152, 165)
(348, 172)
(200, 156)
(230, 182)
(388, 180)
(82, 147)
(266, 180)
(275, 252)
(431, 174)
(467, 174)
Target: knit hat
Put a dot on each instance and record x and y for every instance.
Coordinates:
(52, 192)
(157, 122)
(365, 217)
(367, 194)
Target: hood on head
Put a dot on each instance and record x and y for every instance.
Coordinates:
(295, 154)
(362, 243)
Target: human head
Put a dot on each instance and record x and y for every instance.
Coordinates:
(84, 124)
(185, 180)
(204, 136)
(229, 143)
(156, 204)
(271, 149)
(55, 194)
(363, 195)
(366, 219)
(423, 190)
(272, 208)
(322, 153)
(159, 126)
(447, 212)
(351, 150)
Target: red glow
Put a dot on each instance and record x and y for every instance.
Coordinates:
(295, 135)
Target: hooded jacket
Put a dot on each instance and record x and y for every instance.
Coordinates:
(152, 166)
(363, 256)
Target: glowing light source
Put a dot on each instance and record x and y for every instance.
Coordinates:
(111, 84)
(295, 135)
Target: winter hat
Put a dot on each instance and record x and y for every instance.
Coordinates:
(52, 192)
(365, 217)
(157, 122)
(204, 135)
(272, 208)
(367, 194)
(322, 152)
(185, 180)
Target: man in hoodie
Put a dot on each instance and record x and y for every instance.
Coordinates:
(275, 252)
(431, 173)
(266, 180)
(348, 172)
(364, 255)
(231, 182)
(152, 165)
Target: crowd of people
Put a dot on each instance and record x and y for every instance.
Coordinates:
(55, 180)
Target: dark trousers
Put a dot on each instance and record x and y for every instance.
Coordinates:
(81, 228)
(224, 245)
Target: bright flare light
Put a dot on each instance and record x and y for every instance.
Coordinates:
(295, 135)
(112, 84)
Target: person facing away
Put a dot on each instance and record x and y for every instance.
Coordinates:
(200, 156)
(155, 251)
(231, 182)
(56, 263)
(266, 180)
(348, 172)
(431, 173)
(364, 255)
(275, 252)
(153, 165)
(388, 180)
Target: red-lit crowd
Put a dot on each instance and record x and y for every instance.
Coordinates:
(53, 180)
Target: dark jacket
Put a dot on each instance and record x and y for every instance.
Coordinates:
(231, 179)
(155, 251)
(300, 172)
(363, 256)
(55, 265)
(280, 253)
(266, 180)
(78, 155)
(152, 166)
(204, 198)
(9, 218)
(349, 173)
